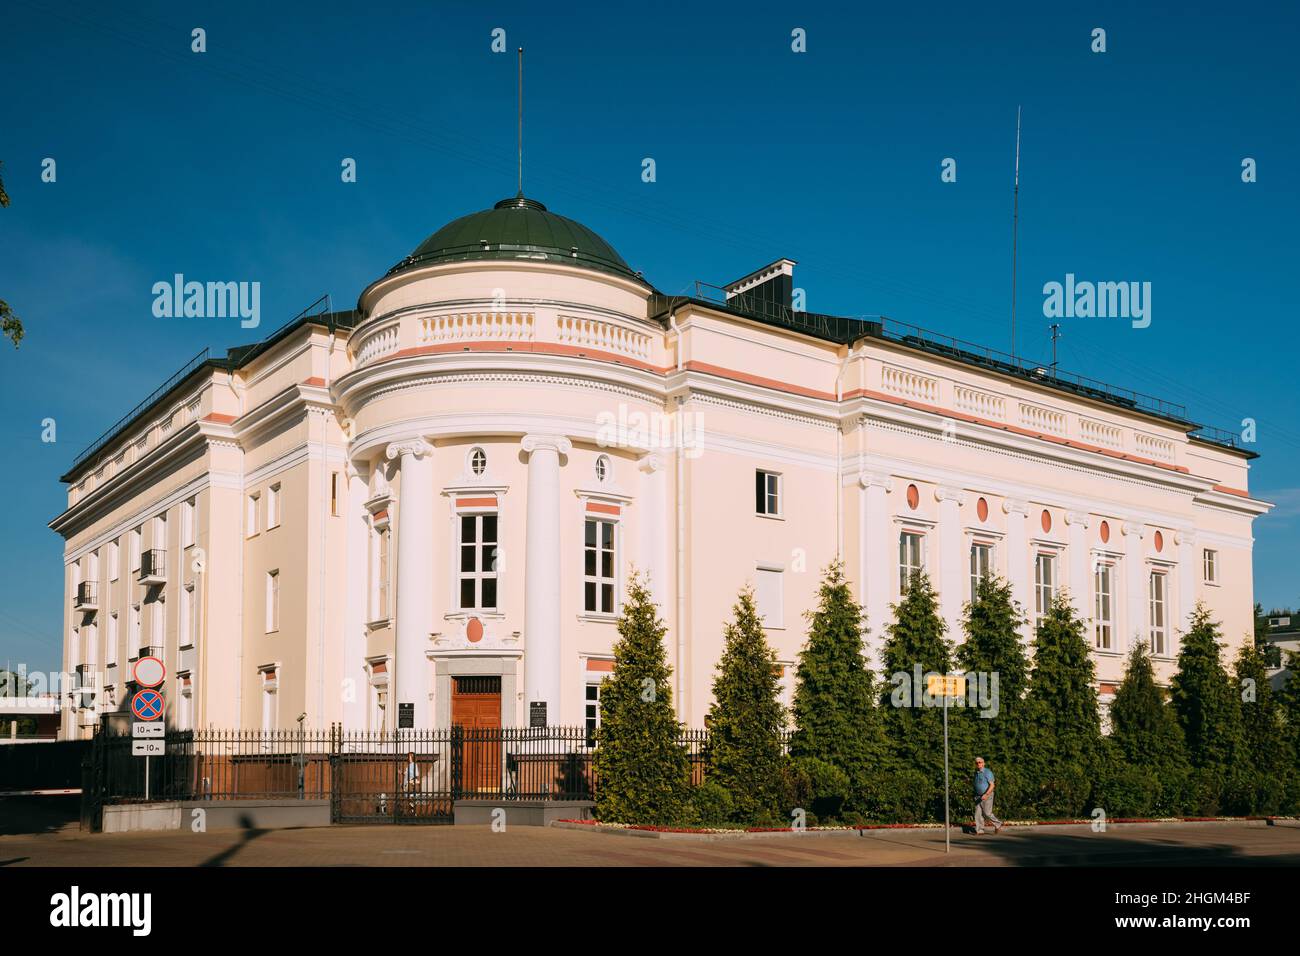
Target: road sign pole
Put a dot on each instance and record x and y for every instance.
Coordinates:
(947, 833)
(146, 778)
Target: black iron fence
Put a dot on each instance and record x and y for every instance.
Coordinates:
(405, 776)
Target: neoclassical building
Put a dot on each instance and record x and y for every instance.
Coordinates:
(430, 506)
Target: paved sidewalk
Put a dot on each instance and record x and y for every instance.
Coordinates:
(1250, 844)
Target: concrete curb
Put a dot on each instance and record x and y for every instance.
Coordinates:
(707, 836)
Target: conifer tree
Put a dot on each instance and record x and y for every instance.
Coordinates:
(835, 716)
(1209, 713)
(745, 720)
(991, 622)
(1067, 748)
(1289, 703)
(1146, 738)
(913, 722)
(642, 771)
(1265, 746)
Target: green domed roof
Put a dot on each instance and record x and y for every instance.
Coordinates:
(522, 229)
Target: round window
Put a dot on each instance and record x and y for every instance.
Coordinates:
(982, 509)
(913, 497)
(1047, 521)
(1105, 531)
(602, 468)
(478, 461)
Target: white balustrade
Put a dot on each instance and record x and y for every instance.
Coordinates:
(604, 336)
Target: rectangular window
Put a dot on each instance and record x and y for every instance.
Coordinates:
(272, 601)
(136, 535)
(1044, 584)
(334, 493)
(382, 543)
(112, 560)
(478, 562)
(270, 709)
(767, 493)
(981, 565)
(1103, 620)
(158, 622)
(769, 596)
(160, 532)
(110, 649)
(193, 626)
(273, 506)
(592, 713)
(186, 620)
(1210, 566)
(187, 524)
(251, 518)
(1159, 632)
(133, 627)
(598, 567)
(910, 558)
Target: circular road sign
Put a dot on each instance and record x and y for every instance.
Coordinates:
(147, 705)
(149, 672)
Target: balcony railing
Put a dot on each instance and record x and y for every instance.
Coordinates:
(151, 650)
(153, 566)
(87, 597)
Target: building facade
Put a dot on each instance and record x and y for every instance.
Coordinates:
(431, 505)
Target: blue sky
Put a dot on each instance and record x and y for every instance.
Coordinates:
(225, 166)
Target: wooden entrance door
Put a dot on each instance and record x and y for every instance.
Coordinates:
(476, 707)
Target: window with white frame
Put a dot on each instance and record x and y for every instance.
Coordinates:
(250, 520)
(1159, 631)
(133, 630)
(379, 559)
(110, 648)
(187, 523)
(113, 560)
(911, 557)
(160, 532)
(334, 494)
(185, 713)
(270, 704)
(767, 493)
(477, 577)
(272, 600)
(598, 564)
(1210, 566)
(592, 711)
(273, 506)
(158, 621)
(477, 462)
(187, 618)
(1103, 617)
(981, 565)
(769, 596)
(1044, 584)
(134, 548)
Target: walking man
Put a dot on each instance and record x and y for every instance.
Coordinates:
(984, 798)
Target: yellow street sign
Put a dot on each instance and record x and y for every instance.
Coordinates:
(945, 685)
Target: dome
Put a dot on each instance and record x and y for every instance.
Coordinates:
(518, 228)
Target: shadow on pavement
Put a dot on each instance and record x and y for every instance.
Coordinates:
(1112, 848)
(249, 834)
(40, 814)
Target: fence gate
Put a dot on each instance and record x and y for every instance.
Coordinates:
(396, 777)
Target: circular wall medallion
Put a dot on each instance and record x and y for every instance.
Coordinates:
(474, 630)
(913, 497)
(1047, 521)
(982, 509)
(1160, 541)
(1105, 531)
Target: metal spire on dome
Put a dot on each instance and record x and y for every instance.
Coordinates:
(521, 122)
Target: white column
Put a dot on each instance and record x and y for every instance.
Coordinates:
(357, 535)
(542, 560)
(1135, 586)
(878, 551)
(414, 577)
(652, 523)
(1077, 522)
(1188, 569)
(952, 562)
(1018, 562)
